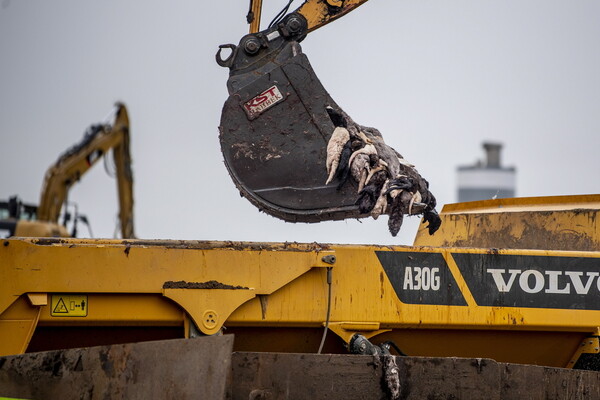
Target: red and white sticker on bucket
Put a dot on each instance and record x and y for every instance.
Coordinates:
(263, 102)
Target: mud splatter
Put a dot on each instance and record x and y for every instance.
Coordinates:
(201, 285)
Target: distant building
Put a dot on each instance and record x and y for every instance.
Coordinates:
(486, 179)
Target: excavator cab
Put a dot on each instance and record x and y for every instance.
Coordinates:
(275, 128)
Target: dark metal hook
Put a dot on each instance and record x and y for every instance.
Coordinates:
(228, 62)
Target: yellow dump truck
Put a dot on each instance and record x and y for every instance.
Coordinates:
(533, 304)
(527, 292)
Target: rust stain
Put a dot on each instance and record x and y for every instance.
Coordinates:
(543, 230)
(264, 300)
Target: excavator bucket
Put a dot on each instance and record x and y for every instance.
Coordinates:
(275, 129)
(295, 154)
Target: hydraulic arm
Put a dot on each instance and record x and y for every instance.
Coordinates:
(316, 12)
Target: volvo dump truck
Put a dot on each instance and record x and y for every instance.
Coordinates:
(535, 303)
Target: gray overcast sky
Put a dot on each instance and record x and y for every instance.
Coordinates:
(435, 77)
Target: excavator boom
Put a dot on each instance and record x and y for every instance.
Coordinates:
(316, 12)
(319, 13)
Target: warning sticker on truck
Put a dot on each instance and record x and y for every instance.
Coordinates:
(69, 305)
(262, 102)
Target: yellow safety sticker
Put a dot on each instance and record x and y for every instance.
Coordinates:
(10, 398)
(69, 305)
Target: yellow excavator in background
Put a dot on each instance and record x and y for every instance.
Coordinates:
(27, 220)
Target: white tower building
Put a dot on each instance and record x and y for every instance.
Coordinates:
(486, 179)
